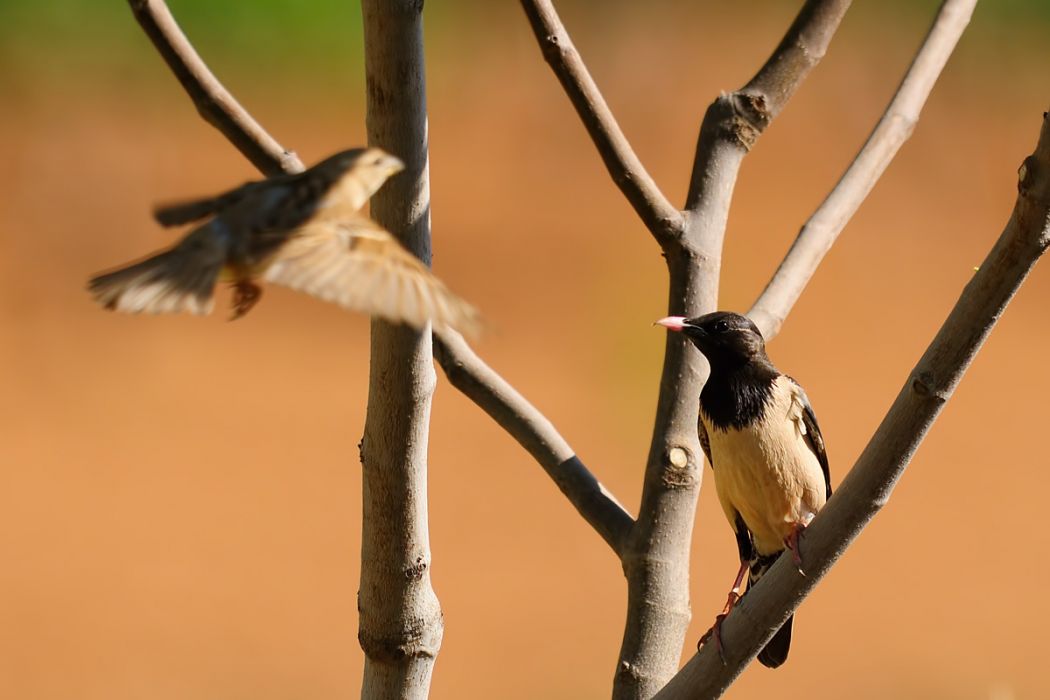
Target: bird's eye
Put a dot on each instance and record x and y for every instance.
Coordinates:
(720, 327)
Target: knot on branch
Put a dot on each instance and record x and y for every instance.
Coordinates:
(1033, 206)
(924, 384)
(744, 117)
(679, 468)
(625, 669)
(411, 643)
(415, 572)
(554, 49)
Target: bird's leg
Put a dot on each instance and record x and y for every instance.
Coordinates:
(245, 295)
(716, 629)
(791, 542)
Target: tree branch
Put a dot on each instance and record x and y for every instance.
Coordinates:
(662, 219)
(656, 560)
(213, 102)
(894, 128)
(478, 382)
(400, 619)
(868, 486)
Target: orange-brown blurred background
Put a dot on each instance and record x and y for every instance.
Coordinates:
(179, 497)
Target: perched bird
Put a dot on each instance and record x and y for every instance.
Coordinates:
(761, 438)
(303, 231)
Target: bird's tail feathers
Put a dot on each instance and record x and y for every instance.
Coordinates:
(776, 650)
(168, 282)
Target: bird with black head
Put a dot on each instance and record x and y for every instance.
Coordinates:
(759, 433)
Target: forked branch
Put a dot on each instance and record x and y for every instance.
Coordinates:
(868, 486)
(894, 128)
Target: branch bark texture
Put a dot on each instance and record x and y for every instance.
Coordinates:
(894, 128)
(401, 624)
(868, 486)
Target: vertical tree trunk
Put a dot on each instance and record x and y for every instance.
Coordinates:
(401, 624)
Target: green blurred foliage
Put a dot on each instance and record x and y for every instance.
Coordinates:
(279, 38)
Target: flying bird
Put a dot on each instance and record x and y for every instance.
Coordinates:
(303, 231)
(760, 436)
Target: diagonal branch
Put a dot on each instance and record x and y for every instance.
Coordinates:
(212, 100)
(869, 484)
(894, 128)
(478, 382)
(663, 220)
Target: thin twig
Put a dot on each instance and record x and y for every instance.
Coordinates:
(894, 128)
(868, 486)
(478, 382)
(213, 101)
(663, 220)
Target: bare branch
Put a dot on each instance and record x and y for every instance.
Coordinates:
(401, 624)
(659, 215)
(478, 382)
(868, 486)
(213, 102)
(894, 128)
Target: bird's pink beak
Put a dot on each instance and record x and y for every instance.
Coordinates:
(672, 323)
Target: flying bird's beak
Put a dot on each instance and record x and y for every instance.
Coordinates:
(671, 323)
(393, 164)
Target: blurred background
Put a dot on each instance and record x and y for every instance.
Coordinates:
(180, 497)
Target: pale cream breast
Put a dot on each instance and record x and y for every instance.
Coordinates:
(767, 471)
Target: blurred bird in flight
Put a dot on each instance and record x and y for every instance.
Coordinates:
(303, 231)
(762, 440)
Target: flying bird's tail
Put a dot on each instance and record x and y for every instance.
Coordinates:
(776, 650)
(168, 282)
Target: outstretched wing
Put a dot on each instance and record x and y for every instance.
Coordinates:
(812, 434)
(358, 265)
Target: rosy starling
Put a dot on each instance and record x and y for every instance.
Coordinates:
(303, 231)
(761, 438)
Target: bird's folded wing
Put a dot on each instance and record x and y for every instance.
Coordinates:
(811, 433)
(360, 266)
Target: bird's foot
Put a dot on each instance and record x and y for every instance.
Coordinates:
(792, 543)
(245, 295)
(715, 633)
(716, 629)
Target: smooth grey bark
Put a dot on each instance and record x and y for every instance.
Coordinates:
(401, 624)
